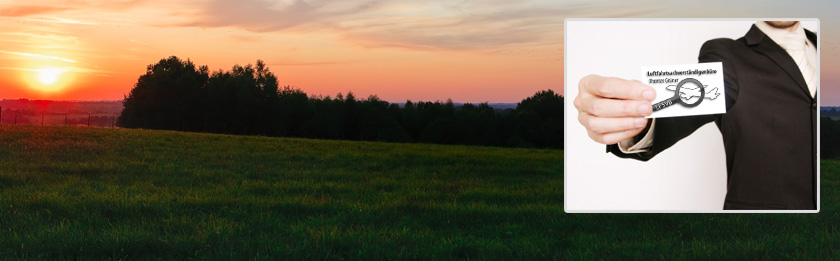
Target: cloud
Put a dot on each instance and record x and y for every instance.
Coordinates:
(262, 16)
(42, 36)
(27, 10)
(51, 7)
(63, 69)
(412, 24)
(466, 32)
(62, 21)
(472, 28)
(291, 62)
(39, 56)
(465, 25)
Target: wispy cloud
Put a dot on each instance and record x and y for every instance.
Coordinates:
(19, 69)
(27, 10)
(62, 69)
(262, 16)
(62, 21)
(465, 25)
(39, 56)
(42, 36)
(464, 32)
(292, 62)
(56, 6)
(413, 24)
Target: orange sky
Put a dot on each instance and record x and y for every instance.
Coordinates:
(418, 50)
(466, 50)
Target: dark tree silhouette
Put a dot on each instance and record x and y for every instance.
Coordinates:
(173, 94)
(166, 97)
(538, 121)
(829, 138)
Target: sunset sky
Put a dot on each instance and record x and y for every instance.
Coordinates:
(469, 51)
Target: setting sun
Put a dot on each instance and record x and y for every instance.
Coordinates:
(49, 80)
(49, 76)
(395, 50)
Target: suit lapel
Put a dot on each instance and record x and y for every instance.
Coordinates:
(759, 42)
(812, 37)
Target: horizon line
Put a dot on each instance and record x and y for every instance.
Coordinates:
(120, 100)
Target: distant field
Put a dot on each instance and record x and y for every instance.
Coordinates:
(90, 193)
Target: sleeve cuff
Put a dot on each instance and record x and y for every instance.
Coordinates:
(643, 145)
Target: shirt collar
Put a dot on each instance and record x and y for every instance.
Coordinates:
(778, 34)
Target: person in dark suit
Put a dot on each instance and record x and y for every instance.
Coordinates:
(769, 129)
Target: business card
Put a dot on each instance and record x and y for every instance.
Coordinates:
(686, 89)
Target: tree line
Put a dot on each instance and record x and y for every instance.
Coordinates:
(829, 138)
(174, 94)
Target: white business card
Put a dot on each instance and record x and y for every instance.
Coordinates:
(686, 89)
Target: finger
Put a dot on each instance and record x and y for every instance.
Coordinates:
(578, 102)
(612, 108)
(615, 137)
(648, 92)
(609, 125)
(616, 88)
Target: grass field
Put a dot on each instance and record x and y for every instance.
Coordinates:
(88, 193)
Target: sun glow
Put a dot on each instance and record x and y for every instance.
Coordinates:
(49, 76)
(49, 79)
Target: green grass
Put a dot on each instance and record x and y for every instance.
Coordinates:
(88, 193)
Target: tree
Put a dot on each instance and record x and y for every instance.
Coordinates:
(293, 112)
(829, 138)
(538, 121)
(165, 97)
(175, 94)
(350, 117)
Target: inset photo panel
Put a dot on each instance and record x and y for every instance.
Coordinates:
(692, 115)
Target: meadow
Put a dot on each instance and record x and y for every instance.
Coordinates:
(93, 193)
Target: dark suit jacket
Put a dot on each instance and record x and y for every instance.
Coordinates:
(769, 129)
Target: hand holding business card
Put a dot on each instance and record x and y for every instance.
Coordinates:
(686, 89)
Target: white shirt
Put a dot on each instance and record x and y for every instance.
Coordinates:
(778, 36)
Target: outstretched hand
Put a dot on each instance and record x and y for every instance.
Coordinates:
(613, 109)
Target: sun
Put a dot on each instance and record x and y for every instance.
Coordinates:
(49, 76)
(49, 79)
